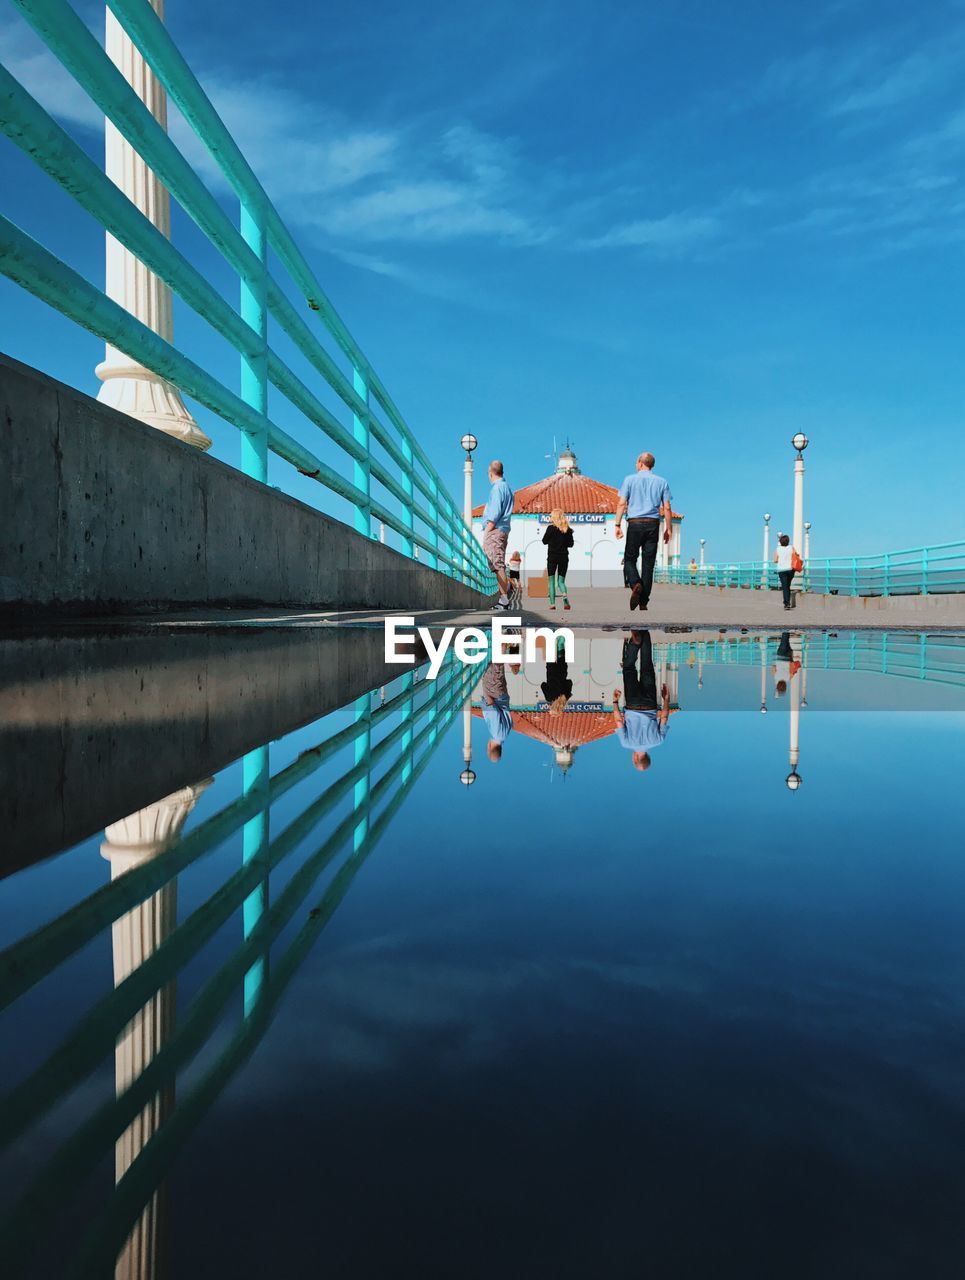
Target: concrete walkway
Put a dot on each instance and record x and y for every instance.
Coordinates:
(706, 608)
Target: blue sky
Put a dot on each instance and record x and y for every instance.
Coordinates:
(671, 227)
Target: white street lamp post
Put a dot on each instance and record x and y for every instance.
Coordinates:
(703, 543)
(800, 443)
(127, 385)
(767, 548)
(468, 442)
(793, 779)
(806, 553)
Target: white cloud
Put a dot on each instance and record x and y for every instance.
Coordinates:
(673, 233)
(29, 60)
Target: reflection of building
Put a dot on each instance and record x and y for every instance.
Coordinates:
(587, 715)
(564, 731)
(590, 506)
(135, 936)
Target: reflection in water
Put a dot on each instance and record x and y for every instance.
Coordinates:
(135, 936)
(146, 851)
(323, 831)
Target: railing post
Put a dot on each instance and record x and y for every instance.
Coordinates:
(405, 744)
(924, 571)
(886, 580)
(363, 748)
(254, 368)
(362, 471)
(256, 775)
(434, 527)
(827, 577)
(854, 575)
(407, 544)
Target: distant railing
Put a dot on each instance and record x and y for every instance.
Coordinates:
(936, 658)
(928, 571)
(415, 502)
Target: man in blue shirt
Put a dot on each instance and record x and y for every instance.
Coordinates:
(644, 498)
(496, 710)
(496, 518)
(640, 725)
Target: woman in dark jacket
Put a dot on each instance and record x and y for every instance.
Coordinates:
(558, 539)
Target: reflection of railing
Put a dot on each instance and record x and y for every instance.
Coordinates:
(415, 502)
(929, 571)
(934, 657)
(421, 711)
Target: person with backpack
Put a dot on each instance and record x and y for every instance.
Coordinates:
(789, 562)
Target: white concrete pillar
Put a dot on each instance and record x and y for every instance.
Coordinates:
(798, 535)
(767, 549)
(467, 492)
(134, 937)
(127, 385)
(806, 554)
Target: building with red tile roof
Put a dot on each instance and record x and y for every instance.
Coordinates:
(590, 506)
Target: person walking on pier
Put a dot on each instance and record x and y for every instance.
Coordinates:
(496, 517)
(787, 560)
(558, 539)
(644, 498)
(641, 725)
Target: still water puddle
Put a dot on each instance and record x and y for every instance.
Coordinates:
(647, 963)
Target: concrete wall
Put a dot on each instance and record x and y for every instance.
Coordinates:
(101, 515)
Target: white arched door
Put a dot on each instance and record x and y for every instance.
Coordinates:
(606, 563)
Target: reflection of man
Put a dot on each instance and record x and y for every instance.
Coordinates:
(496, 518)
(557, 688)
(495, 709)
(640, 725)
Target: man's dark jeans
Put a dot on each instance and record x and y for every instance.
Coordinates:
(639, 686)
(785, 576)
(643, 539)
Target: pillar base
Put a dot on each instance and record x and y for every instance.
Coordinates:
(134, 390)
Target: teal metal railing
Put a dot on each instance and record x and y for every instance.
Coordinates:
(392, 741)
(930, 571)
(935, 657)
(410, 498)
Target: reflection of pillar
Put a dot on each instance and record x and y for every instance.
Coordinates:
(128, 386)
(135, 936)
(763, 643)
(467, 732)
(795, 694)
(804, 671)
